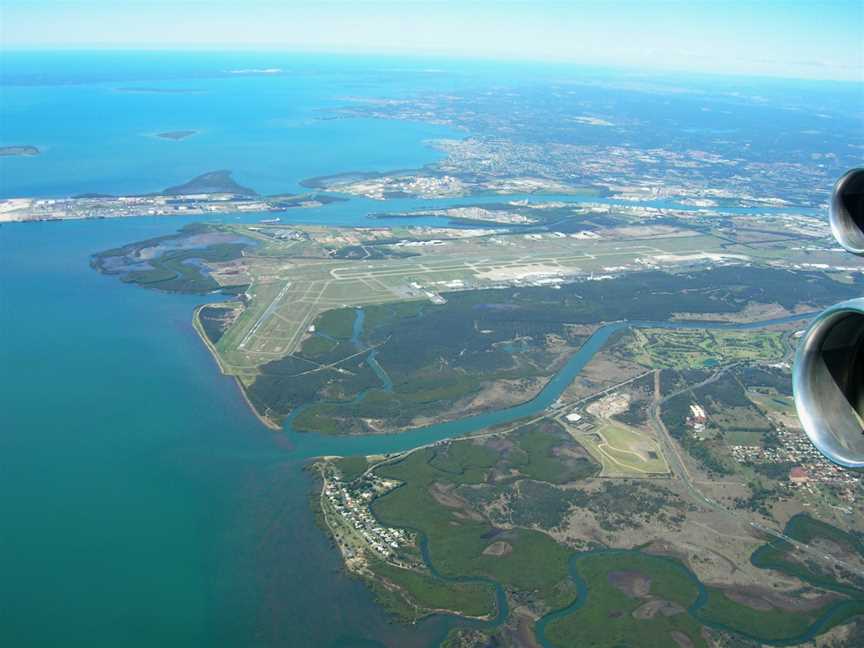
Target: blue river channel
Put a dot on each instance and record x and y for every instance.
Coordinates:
(307, 445)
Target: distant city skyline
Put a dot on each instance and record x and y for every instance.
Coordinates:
(813, 40)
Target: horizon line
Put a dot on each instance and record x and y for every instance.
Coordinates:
(445, 55)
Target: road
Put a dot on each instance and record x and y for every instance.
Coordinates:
(679, 470)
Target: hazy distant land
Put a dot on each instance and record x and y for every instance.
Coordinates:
(177, 135)
(150, 90)
(256, 71)
(27, 150)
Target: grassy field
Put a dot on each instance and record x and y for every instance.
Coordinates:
(624, 452)
(773, 402)
(694, 348)
(742, 437)
(777, 407)
(351, 467)
(608, 618)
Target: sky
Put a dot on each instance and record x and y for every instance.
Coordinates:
(811, 39)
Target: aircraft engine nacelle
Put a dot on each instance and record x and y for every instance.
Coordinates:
(828, 379)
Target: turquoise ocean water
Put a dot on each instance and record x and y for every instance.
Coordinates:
(141, 502)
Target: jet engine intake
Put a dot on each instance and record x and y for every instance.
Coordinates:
(828, 383)
(846, 214)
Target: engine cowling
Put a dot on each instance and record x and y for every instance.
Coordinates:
(846, 214)
(828, 379)
(828, 382)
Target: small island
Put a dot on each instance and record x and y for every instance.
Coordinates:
(176, 135)
(209, 193)
(26, 150)
(212, 182)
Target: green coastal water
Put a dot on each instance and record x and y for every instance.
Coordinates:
(142, 503)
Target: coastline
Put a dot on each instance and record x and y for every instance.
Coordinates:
(196, 324)
(265, 420)
(357, 566)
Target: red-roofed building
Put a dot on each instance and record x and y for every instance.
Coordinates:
(798, 475)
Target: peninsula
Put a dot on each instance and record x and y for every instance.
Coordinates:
(378, 330)
(215, 192)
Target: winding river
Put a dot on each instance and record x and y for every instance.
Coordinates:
(308, 445)
(838, 608)
(311, 445)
